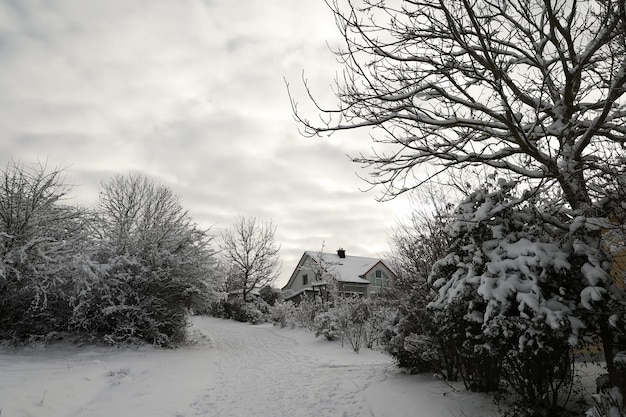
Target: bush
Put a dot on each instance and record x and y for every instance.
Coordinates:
(282, 314)
(380, 320)
(236, 309)
(132, 304)
(536, 361)
(40, 238)
(608, 403)
(270, 294)
(348, 320)
(353, 316)
(326, 325)
(256, 312)
(305, 312)
(407, 344)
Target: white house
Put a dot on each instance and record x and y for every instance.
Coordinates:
(356, 275)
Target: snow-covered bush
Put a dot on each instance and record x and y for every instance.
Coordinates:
(256, 311)
(132, 271)
(127, 302)
(270, 294)
(353, 314)
(326, 324)
(408, 343)
(282, 314)
(607, 403)
(347, 320)
(536, 363)
(512, 276)
(40, 241)
(235, 310)
(150, 267)
(426, 340)
(306, 311)
(380, 319)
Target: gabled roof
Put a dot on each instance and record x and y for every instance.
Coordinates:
(350, 269)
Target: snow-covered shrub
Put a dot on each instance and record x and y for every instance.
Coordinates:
(149, 269)
(409, 344)
(216, 308)
(513, 277)
(129, 303)
(40, 241)
(326, 324)
(235, 310)
(347, 320)
(253, 312)
(352, 314)
(305, 313)
(411, 337)
(256, 311)
(270, 294)
(607, 403)
(282, 314)
(380, 319)
(536, 362)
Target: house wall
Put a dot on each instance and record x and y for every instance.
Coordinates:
(378, 283)
(297, 284)
(348, 287)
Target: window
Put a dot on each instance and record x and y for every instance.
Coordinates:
(305, 279)
(379, 279)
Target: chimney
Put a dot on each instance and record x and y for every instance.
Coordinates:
(341, 252)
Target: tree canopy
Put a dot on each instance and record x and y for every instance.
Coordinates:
(532, 88)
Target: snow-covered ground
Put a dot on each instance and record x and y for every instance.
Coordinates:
(235, 369)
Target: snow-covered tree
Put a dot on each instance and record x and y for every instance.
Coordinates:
(250, 253)
(531, 89)
(521, 289)
(41, 241)
(155, 265)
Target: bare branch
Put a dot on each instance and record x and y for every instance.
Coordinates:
(532, 88)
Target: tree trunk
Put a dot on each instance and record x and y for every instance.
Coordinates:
(617, 374)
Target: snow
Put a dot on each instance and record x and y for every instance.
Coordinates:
(234, 369)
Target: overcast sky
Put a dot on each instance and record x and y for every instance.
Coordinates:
(192, 94)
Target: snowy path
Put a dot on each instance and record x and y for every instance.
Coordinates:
(237, 371)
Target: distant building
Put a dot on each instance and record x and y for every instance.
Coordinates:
(354, 275)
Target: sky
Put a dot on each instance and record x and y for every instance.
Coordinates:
(192, 93)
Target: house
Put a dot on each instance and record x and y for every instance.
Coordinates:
(356, 275)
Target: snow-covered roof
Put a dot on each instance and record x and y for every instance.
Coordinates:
(347, 269)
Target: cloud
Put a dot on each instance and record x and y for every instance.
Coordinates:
(191, 93)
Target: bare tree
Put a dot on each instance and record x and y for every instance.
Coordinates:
(532, 89)
(251, 253)
(418, 244)
(137, 213)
